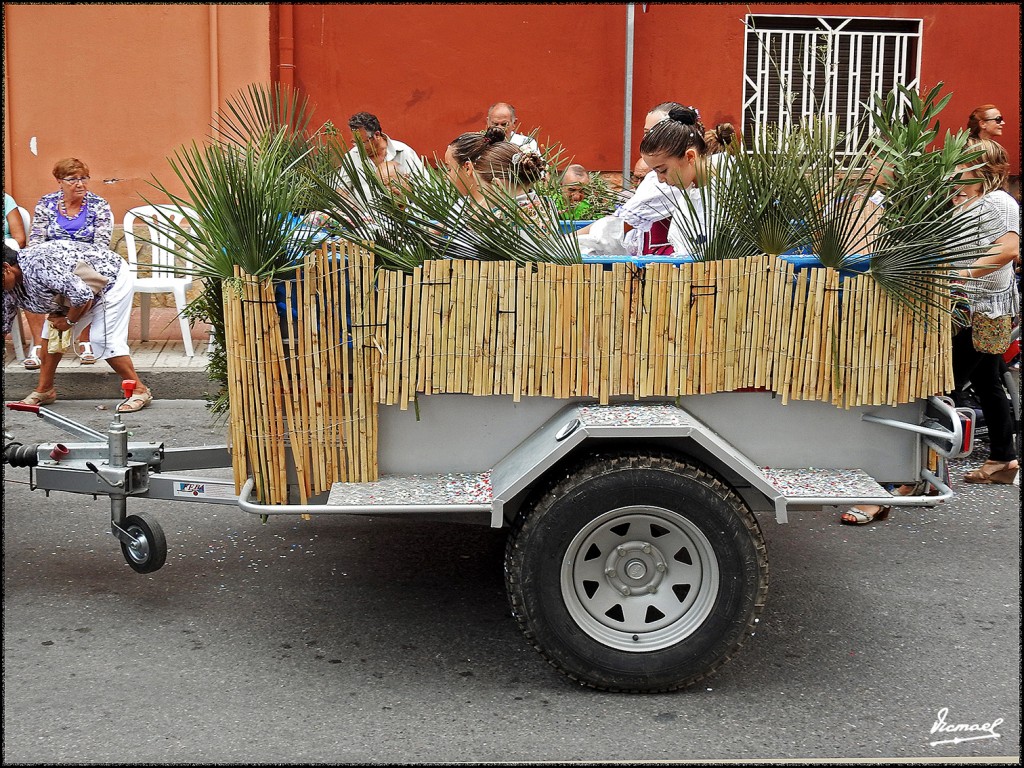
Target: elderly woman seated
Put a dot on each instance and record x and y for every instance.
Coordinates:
(74, 283)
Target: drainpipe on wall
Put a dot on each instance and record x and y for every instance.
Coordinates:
(285, 45)
(214, 62)
(627, 138)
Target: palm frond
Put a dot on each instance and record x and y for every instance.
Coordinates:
(427, 218)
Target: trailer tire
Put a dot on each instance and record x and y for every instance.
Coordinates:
(149, 552)
(636, 573)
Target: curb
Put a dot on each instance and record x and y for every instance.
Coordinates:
(166, 383)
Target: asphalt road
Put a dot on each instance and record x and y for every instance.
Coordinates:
(360, 640)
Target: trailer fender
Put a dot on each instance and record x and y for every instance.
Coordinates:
(566, 432)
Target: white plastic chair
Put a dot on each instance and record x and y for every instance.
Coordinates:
(164, 276)
(16, 338)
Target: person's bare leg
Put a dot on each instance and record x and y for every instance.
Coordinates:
(35, 327)
(48, 362)
(125, 368)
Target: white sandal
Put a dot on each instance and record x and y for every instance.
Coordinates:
(87, 357)
(864, 515)
(32, 361)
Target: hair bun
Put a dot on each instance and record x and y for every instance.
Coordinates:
(494, 135)
(684, 115)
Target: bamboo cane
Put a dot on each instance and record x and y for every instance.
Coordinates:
(530, 328)
(252, 425)
(471, 311)
(236, 383)
(706, 323)
(746, 312)
(410, 340)
(500, 339)
(776, 296)
(276, 355)
(730, 340)
(584, 338)
(328, 331)
(428, 324)
(384, 307)
(488, 378)
(357, 332)
(395, 333)
(672, 348)
(791, 289)
(467, 333)
(763, 336)
(566, 321)
(520, 344)
(443, 363)
(480, 358)
(333, 393)
(456, 333)
(348, 382)
(659, 334)
(510, 319)
(645, 308)
(254, 422)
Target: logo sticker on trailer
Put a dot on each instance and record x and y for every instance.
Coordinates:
(204, 490)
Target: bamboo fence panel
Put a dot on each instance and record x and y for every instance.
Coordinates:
(312, 399)
(362, 338)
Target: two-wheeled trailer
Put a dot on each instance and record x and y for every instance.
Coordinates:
(634, 559)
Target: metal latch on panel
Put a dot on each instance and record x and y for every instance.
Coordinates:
(567, 430)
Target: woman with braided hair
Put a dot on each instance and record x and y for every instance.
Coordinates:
(484, 167)
(461, 155)
(676, 150)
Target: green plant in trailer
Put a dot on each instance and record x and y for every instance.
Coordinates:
(245, 183)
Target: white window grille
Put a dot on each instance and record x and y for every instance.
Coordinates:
(797, 67)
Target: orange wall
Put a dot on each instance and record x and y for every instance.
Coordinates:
(120, 87)
(430, 71)
(144, 79)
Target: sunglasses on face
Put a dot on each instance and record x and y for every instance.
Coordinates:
(998, 119)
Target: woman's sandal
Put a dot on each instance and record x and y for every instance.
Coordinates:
(1003, 476)
(41, 398)
(87, 357)
(32, 361)
(855, 516)
(136, 402)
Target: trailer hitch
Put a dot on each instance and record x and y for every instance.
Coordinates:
(143, 543)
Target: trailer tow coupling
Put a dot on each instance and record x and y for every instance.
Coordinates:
(143, 543)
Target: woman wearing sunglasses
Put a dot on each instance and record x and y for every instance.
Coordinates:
(70, 213)
(985, 122)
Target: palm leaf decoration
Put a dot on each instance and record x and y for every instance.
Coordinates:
(426, 218)
(245, 183)
(889, 203)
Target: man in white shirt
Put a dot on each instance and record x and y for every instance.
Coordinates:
(502, 115)
(380, 148)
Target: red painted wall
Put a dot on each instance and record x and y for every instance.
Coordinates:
(429, 72)
(122, 86)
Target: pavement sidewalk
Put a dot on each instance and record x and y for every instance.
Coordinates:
(160, 362)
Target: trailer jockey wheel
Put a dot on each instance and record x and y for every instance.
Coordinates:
(637, 573)
(148, 552)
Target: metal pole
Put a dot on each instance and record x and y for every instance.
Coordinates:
(627, 138)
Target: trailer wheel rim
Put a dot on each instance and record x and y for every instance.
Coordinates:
(138, 549)
(640, 578)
